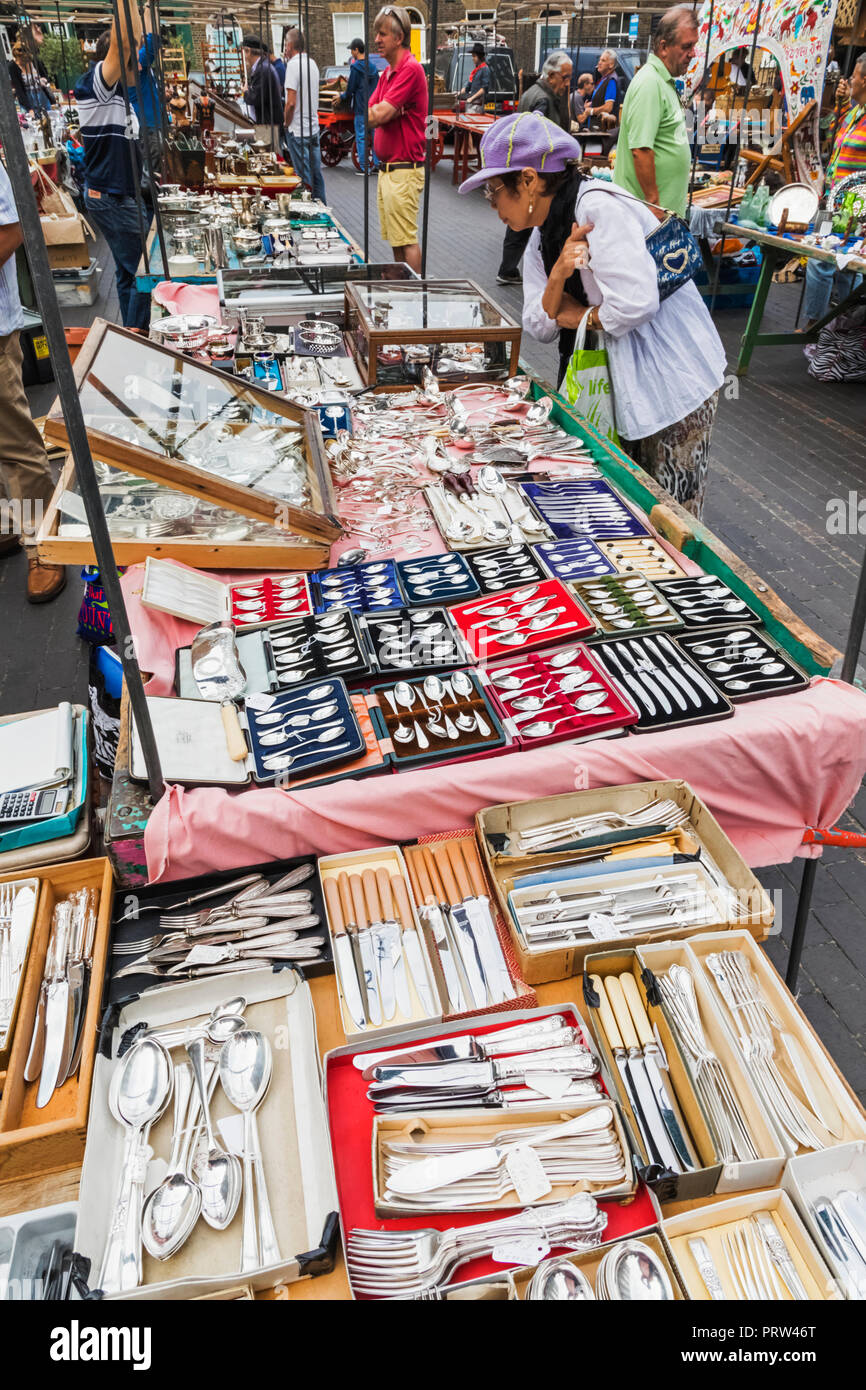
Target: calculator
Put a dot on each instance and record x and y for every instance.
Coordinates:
(33, 803)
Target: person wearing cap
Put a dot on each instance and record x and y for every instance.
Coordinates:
(549, 96)
(263, 94)
(587, 258)
(362, 79)
(398, 116)
(478, 86)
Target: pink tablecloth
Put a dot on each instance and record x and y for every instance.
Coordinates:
(778, 766)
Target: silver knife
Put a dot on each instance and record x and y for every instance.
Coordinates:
(390, 928)
(640, 1081)
(465, 1047)
(469, 954)
(780, 1255)
(343, 956)
(495, 969)
(696, 675)
(478, 1076)
(367, 950)
(645, 676)
(57, 1003)
(75, 974)
(636, 686)
(651, 1054)
(493, 1096)
(412, 951)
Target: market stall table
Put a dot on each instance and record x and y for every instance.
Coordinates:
(467, 132)
(776, 250)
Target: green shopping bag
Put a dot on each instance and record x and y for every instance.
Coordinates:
(588, 387)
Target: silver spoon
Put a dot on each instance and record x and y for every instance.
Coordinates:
(405, 696)
(245, 1072)
(435, 690)
(738, 685)
(219, 1173)
(172, 1209)
(297, 721)
(464, 688)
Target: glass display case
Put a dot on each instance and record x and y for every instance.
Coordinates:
(147, 518)
(157, 413)
(396, 329)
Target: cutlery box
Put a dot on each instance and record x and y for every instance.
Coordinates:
(812, 1176)
(612, 587)
(689, 641)
(575, 558)
(319, 757)
(654, 718)
(578, 725)
(494, 824)
(367, 579)
(22, 932)
(678, 591)
(409, 650)
(388, 857)
(525, 556)
(588, 1263)
(714, 1175)
(357, 665)
(292, 1132)
(151, 900)
(468, 746)
(643, 555)
(484, 642)
(824, 1075)
(481, 1127)
(464, 586)
(707, 1221)
(351, 1117)
(597, 508)
(198, 597)
(43, 1141)
(25, 1239)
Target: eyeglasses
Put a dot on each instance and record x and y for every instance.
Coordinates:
(492, 191)
(390, 9)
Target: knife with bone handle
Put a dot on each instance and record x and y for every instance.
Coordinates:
(456, 978)
(396, 939)
(665, 1100)
(492, 1098)
(463, 929)
(385, 937)
(524, 1037)
(343, 958)
(641, 1088)
(609, 1027)
(577, 1063)
(430, 914)
(412, 949)
(367, 948)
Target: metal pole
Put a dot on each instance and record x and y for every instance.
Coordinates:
(145, 139)
(368, 47)
(855, 632)
(62, 53)
(703, 83)
(727, 217)
(801, 921)
(18, 167)
(579, 37)
(428, 153)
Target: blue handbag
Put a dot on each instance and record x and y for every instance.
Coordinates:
(673, 248)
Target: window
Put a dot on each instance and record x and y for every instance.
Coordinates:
(551, 34)
(347, 26)
(622, 29)
(480, 16)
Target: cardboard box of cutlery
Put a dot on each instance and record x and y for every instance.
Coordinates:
(198, 597)
(465, 727)
(137, 919)
(351, 1116)
(292, 1132)
(469, 1127)
(498, 830)
(588, 1265)
(823, 1096)
(713, 1223)
(35, 1251)
(353, 889)
(711, 1170)
(50, 1137)
(827, 1190)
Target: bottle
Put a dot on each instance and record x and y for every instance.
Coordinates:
(745, 211)
(761, 205)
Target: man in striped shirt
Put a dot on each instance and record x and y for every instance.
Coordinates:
(111, 163)
(848, 157)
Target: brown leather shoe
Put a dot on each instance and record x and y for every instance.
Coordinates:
(44, 582)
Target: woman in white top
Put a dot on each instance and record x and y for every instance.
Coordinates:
(587, 256)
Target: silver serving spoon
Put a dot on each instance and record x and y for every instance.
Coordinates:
(559, 1281)
(405, 696)
(218, 1173)
(435, 690)
(245, 1072)
(172, 1209)
(463, 687)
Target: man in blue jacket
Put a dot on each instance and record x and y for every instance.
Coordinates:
(363, 76)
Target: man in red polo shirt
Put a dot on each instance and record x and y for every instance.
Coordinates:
(398, 115)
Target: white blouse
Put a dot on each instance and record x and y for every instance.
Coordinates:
(664, 359)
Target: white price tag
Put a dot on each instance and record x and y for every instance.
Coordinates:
(520, 1252)
(232, 1132)
(602, 926)
(207, 955)
(552, 1084)
(260, 702)
(526, 1171)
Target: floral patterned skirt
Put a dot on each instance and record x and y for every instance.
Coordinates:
(678, 457)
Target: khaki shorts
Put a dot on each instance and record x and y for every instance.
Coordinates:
(398, 195)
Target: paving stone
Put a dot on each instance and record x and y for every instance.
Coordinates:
(830, 969)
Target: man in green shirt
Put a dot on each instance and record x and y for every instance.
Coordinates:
(652, 153)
